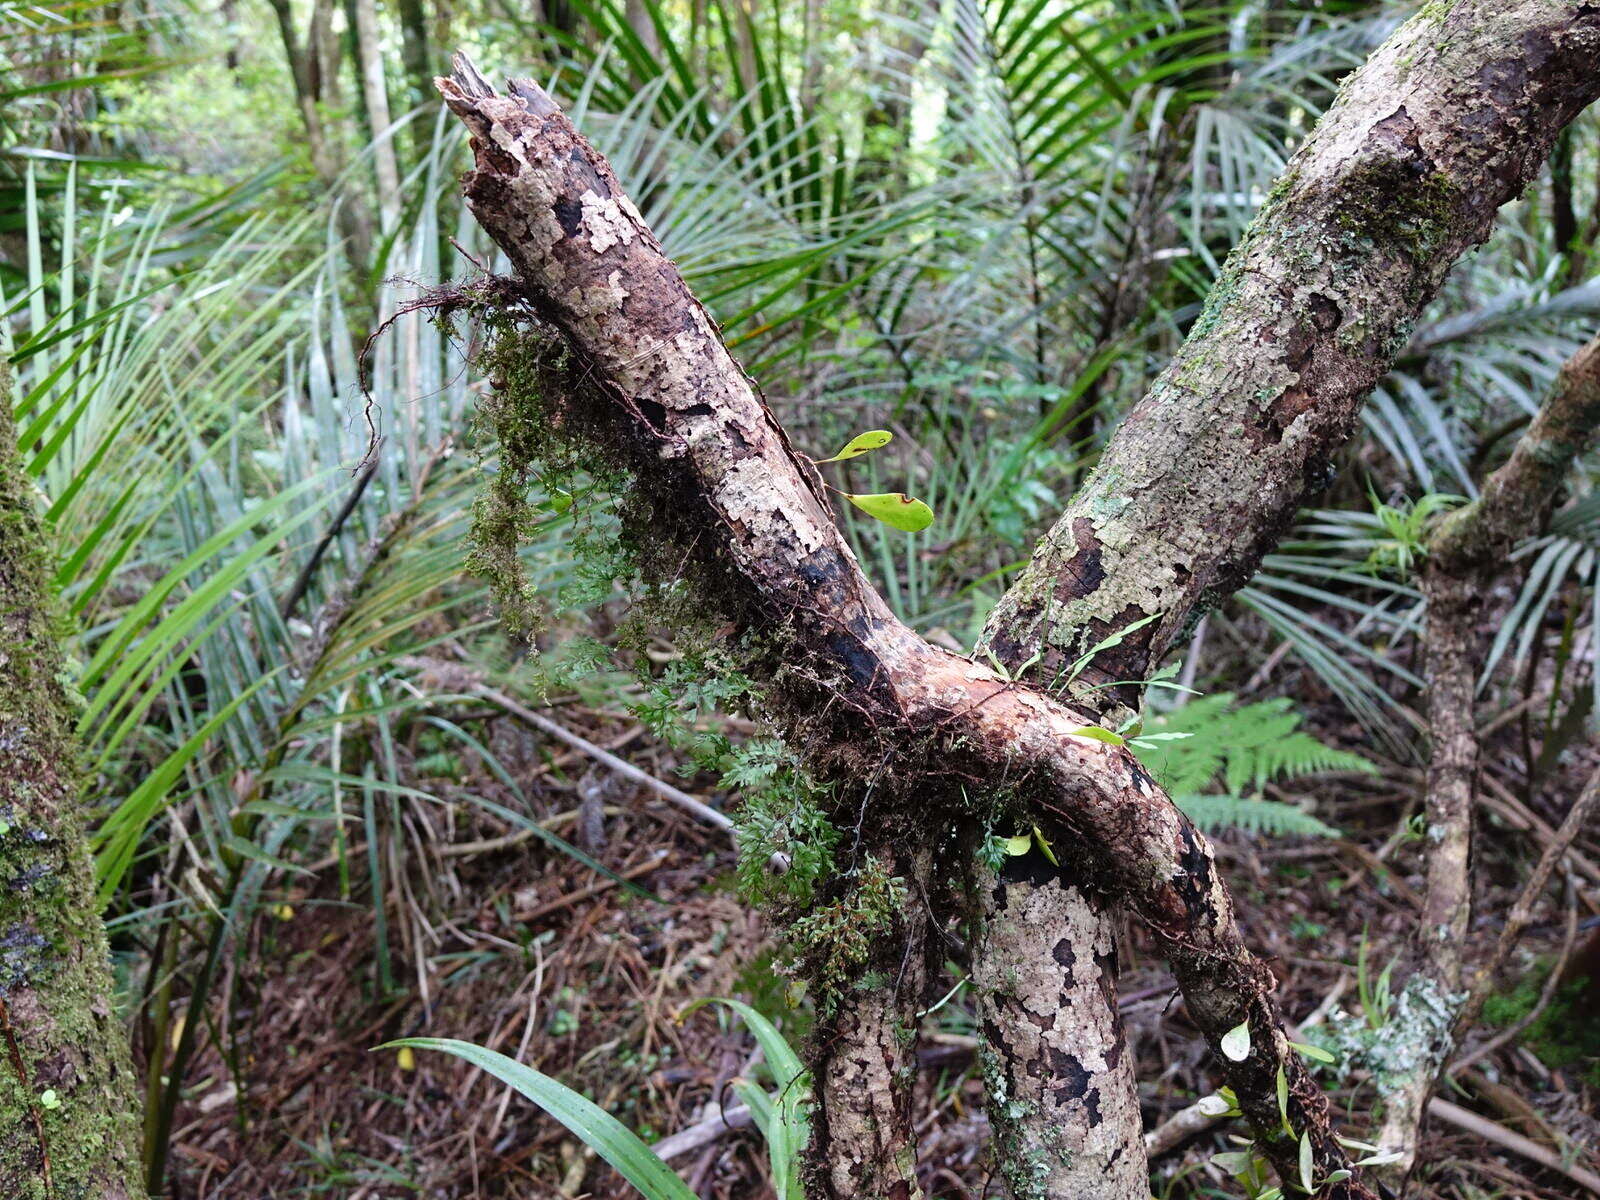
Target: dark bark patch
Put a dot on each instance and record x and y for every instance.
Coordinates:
(569, 211)
(1084, 571)
(1071, 1079)
(1032, 868)
(1066, 957)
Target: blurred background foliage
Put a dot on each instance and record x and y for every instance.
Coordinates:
(984, 225)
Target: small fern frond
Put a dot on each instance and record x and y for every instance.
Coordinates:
(1240, 750)
(1270, 817)
(1248, 746)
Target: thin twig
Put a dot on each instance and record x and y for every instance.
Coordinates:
(1490, 1131)
(302, 581)
(610, 761)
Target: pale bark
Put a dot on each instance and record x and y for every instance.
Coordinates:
(851, 686)
(1445, 123)
(1060, 1086)
(68, 1123)
(1464, 556)
(375, 91)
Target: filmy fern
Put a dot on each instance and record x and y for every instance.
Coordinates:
(1239, 749)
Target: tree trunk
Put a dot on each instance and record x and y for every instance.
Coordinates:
(864, 1143)
(325, 158)
(1464, 556)
(68, 1123)
(854, 689)
(1213, 464)
(418, 61)
(1062, 1094)
(375, 90)
(1446, 122)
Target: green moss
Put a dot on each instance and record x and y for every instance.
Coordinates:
(1383, 204)
(54, 970)
(834, 941)
(1564, 1035)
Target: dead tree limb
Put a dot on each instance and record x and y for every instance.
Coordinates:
(851, 686)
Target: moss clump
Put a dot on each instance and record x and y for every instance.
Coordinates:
(1384, 202)
(1564, 1035)
(834, 941)
(520, 426)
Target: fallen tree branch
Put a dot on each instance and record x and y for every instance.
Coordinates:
(699, 809)
(1491, 1131)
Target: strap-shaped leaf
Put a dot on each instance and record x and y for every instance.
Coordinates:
(598, 1129)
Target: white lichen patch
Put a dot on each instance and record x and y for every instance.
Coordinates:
(605, 223)
(1415, 1028)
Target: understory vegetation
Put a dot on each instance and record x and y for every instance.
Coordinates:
(399, 737)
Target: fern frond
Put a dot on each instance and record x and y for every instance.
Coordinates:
(1241, 749)
(1270, 817)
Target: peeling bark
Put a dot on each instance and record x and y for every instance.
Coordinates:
(854, 688)
(67, 1116)
(1464, 556)
(1061, 1092)
(1445, 123)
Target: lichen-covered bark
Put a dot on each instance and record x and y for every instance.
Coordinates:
(1444, 124)
(856, 690)
(864, 1140)
(1060, 1089)
(67, 1119)
(1464, 555)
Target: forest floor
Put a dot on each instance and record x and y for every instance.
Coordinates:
(492, 938)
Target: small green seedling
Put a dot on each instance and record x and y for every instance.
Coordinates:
(895, 509)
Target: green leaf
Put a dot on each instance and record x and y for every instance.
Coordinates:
(1234, 1162)
(1018, 846)
(1236, 1042)
(788, 1129)
(1214, 1105)
(1283, 1100)
(598, 1129)
(1316, 1053)
(862, 443)
(1044, 847)
(1098, 734)
(894, 508)
(1308, 1178)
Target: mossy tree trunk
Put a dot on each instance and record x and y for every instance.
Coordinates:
(68, 1123)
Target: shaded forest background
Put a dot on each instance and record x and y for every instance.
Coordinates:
(338, 801)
